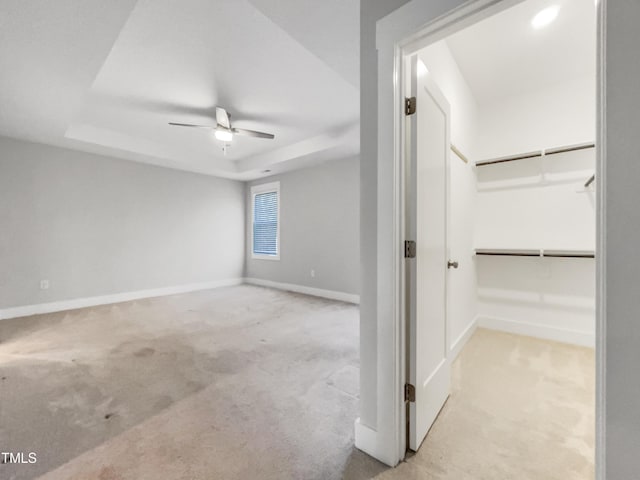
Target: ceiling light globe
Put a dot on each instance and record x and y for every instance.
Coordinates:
(223, 135)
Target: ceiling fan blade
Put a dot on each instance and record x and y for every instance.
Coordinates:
(252, 133)
(222, 117)
(189, 125)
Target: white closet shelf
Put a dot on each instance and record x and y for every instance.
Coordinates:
(536, 154)
(569, 253)
(514, 252)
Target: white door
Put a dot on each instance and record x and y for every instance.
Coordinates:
(429, 367)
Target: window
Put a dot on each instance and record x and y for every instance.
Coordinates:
(265, 213)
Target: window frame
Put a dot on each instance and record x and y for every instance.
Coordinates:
(256, 190)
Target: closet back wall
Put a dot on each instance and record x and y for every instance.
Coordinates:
(561, 114)
(96, 226)
(538, 203)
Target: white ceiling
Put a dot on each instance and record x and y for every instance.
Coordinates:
(504, 55)
(107, 77)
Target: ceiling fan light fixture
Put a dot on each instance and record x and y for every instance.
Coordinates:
(223, 135)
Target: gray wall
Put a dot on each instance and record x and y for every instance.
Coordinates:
(370, 12)
(619, 183)
(319, 228)
(95, 225)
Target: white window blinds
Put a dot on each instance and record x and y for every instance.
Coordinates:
(265, 223)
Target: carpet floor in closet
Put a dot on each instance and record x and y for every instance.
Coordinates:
(520, 408)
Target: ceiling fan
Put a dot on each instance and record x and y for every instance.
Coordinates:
(223, 129)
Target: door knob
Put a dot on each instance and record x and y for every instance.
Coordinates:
(453, 264)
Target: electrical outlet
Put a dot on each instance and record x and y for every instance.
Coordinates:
(313, 273)
(44, 284)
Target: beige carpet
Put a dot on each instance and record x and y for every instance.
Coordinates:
(233, 383)
(520, 409)
(246, 382)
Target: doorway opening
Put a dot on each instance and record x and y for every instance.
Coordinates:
(500, 198)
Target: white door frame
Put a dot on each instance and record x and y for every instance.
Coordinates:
(413, 26)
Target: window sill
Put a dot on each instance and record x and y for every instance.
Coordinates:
(256, 256)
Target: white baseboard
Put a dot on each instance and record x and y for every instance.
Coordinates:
(316, 292)
(546, 332)
(366, 439)
(461, 341)
(59, 306)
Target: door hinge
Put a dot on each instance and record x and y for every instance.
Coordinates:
(409, 249)
(409, 393)
(410, 105)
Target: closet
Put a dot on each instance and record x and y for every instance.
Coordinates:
(519, 274)
(535, 243)
(522, 173)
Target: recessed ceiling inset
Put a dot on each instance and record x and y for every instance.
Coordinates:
(162, 68)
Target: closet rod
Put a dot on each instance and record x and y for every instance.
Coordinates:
(510, 158)
(537, 153)
(568, 254)
(590, 181)
(570, 148)
(460, 155)
(536, 253)
(508, 252)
